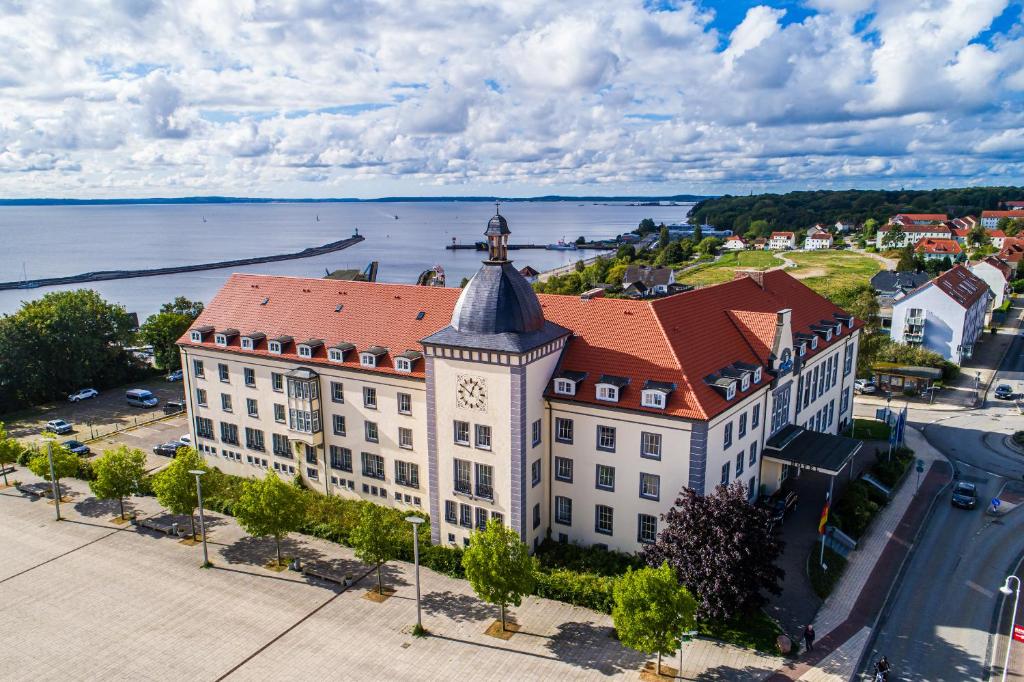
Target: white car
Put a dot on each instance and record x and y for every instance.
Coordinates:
(83, 394)
(186, 439)
(176, 375)
(864, 386)
(58, 426)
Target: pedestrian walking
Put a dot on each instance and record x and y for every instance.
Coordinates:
(882, 670)
(809, 636)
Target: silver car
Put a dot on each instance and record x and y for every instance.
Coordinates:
(83, 394)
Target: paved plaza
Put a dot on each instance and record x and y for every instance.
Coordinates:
(86, 598)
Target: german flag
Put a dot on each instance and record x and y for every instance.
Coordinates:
(824, 519)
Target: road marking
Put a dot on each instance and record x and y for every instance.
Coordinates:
(975, 466)
(978, 588)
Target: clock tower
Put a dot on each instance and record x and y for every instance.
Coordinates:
(487, 430)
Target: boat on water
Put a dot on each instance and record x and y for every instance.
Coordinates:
(561, 245)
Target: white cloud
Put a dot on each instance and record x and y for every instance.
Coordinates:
(306, 97)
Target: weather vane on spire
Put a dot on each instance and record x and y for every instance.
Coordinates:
(497, 207)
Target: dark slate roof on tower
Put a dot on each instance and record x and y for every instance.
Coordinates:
(497, 225)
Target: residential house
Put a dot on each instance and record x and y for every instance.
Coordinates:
(1012, 205)
(892, 285)
(529, 274)
(644, 280)
(843, 227)
(939, 249)
(996, 274)
(735, 243)
(817, 241)
(906, 219)
(1012, 252)
(990, 219)
(967, 222)
(912, 233)
(556, 416)
(946, 315)
(760, 244)
(780, 241)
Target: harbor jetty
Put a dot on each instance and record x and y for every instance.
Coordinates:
(104, 275)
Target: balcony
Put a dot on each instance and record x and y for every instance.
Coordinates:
(913, 335)
(915, 321)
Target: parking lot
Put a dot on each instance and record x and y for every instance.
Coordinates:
(145, 437)
(92, 418)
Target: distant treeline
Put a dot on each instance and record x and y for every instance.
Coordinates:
(800, 210)
(265, 200)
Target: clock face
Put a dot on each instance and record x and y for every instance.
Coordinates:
(471, 393)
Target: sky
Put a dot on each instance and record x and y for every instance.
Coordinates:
(311, 98)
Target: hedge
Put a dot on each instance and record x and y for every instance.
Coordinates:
(861, 501)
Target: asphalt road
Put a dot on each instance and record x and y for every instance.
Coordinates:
(938, 625)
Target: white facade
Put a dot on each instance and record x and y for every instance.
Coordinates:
(780, 241)
(818, 241)
(996, 280)
(734, 244)
(930, 318)
(912, 234)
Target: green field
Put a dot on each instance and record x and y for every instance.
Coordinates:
(722, 270)
(826, 271)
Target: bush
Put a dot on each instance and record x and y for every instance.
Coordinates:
(581, 589)
(823, 581)
(26, 455)
(888, 471)
(555, 555)
(856, 508)
(447, 560)
(145, 488)
(85, 471)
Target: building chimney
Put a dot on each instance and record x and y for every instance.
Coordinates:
(596, 292)
(783, 317)
(756, 275)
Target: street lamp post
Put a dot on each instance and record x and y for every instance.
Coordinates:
(202, 520)
(416, 521)
(53, 479)
(1007, 591)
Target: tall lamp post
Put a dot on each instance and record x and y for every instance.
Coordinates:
(55, 489)
(202, 520)
(1007, 591)
(416, 521)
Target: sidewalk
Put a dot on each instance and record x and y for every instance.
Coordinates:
(845, 620)
(260, 624)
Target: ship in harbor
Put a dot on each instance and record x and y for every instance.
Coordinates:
(561, 245)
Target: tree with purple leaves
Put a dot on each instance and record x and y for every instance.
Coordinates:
(722, 549)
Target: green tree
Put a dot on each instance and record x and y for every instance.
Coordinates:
(906, 262)
(163, 329)
(9, 450)
(65, 463)
(698, 233)
(581, 240)
(175, 487)
(663, 236)
(893, 238)
(651, 610)
(376, 539)
(709, 245)
(118, 473)
(646, 226)
(870, 228)
(464, 282)
(978, 236)
(499, 566)
(626, 252)
(759, 228)
(269, 506)
(860, 301)
(62, 342)
(580, 266)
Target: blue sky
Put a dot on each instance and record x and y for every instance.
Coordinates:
(515, 97)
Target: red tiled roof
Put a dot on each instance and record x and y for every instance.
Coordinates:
(996, 233)
(734, 238)
(961, 285)
(372, 314)
(916, 228)
(1002, 214)
(938, 246)
(783, 235)
(678, 339)
(1013, 249)
(820, 235)
(998, 264)
(934, 217)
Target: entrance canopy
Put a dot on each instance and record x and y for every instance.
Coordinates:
(810, 450)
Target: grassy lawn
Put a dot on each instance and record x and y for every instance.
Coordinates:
(753, 632)
(870, 429)
(826, 271)
(823, 581)
(722, 270)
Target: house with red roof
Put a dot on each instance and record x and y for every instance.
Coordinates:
(996, 273)
(990, 219)
(939, 249)
(910, 232)
(574, 417)
(946, 315)
(781, 241)
(905, 219)
(734, 243)
(1012, 252)
(817, 241)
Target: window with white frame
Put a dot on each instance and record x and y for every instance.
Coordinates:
(371, 432)
(563, 430)
(407, 474)
(604, 517)
(563, 469)
(727, 436)
(730, 390)
(755, 417)
(367, 359)
(742, 430)
(565, 387)
(246, 343)
(650, 486)
(339, 424)
(605, 477)
(197, 368)
(370, 397)
(279, 412)
(647, 528)
(606, 438)
(484, 481)
(335, 355)
(277, 381)
(404, 403)
(608, 393)
(753, 453)
(274, 347)
(652, 399)
(201, 397)
(252, 407)
(403, 364)
(373, 465)
(225, 402)
(725, 473)
(535, 473)
(337, 392)
(461, 476)
(563, 510)
(461, 432)
(536, 433)
(197, 337)
(757, 375)
(650, 445)
(220, 339)
(746, 382)
(341, 458)
(405, 438)
(739, 463)
(483, 437)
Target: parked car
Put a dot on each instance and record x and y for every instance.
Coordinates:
(83, 394)
(779, 503)
(176, 375)
(174, 407)
(186, 439)
(140, 397)
(77, 447)
(965, 495)
(1004, 392)
(864, 386)
(168, 449)
(58, 426)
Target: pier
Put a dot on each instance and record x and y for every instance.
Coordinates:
(482, 246)
(104, 275)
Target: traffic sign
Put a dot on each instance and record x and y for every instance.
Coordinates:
(1018, 633)
(995, 502)
(920, 466)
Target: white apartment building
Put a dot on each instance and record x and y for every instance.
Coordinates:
(780, 241)
(996, 274)
(912, 233)
(579, 417)
(818, 241)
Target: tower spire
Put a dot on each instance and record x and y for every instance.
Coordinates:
(497, 233)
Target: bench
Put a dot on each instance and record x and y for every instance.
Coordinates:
(314, 573)
(165, 528)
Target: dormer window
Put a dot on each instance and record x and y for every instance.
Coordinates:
(828, 335)
(403, 364)
(730, 391)
(220, 339)
(246, 343)
(367, 359)
(565, 387)
(608, 393)
(814, 343)
(197, 336)
(803, 348)
(335, 355)
(274, 347)
(746, 382)
(305, 351)
(757, 375)
(653, 399)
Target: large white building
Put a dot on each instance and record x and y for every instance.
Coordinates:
(579, 417)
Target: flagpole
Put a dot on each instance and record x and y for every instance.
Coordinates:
(824, 520)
